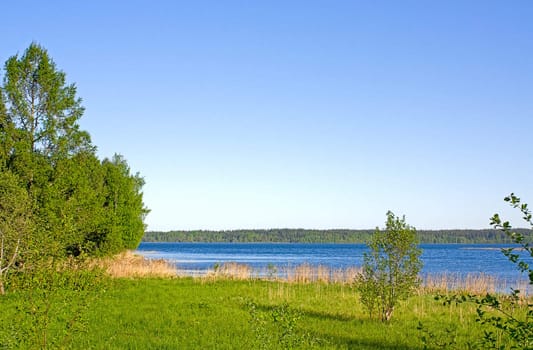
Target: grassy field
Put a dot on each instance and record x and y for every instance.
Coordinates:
(186, 313)
(126, 307)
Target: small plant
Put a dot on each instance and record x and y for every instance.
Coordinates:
(286, 320)
(258, 324)
(390, 270)
(445, 339)
(518, 329)
(507, 319)
(278, 328)
(272, 271)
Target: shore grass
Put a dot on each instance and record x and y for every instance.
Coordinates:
(199, 314)
(187, 313)
(229, 310)
(131, 265)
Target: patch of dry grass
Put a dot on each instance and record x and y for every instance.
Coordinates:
(230, 270)
(306, 273)
(474, 283)
(128, 264)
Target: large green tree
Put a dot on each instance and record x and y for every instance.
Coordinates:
(79, 204)
(44, 109)
(41, 130)
(41, 119)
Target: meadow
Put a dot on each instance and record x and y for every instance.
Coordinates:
(224, 312)
(187, 313)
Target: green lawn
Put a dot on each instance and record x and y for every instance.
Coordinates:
(198, 314)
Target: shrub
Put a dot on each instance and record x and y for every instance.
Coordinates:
(390, 269)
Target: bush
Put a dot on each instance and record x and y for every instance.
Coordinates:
(507, 319)
(390, 269)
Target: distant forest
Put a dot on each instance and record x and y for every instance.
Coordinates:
(323, 236)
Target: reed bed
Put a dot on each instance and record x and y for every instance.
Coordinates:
(128, 264)
(231, 270)
(306, 273)
(474, 283)
(302, 274)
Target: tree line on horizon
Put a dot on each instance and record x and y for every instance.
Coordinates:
(286, 235)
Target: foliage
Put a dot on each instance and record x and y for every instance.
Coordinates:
(124, 201)
(15, 224)
(507, 320)
(50, 306)
(59, 204)
(441, 339)
(278, 328)
(390, 270)
(58, 198)
(518, 329)
(42, 108)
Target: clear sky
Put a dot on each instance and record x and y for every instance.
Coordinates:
(301, 114)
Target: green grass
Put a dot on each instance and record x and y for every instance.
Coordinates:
(195, 314)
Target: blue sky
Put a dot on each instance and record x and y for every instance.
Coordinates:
(309, 114)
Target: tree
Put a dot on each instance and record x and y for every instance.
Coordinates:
(80, 204)
(39, 129)
(42, 107)
(124, 204)
(54, 202)
(390, 270)
(75, 203)
(15, 224)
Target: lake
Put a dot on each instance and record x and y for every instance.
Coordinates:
(460, 259)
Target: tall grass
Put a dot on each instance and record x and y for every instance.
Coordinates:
(214, 313)
(188, 313)
(472, 283)
(128, 264)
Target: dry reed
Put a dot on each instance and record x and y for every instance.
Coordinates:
(230, 270)
(474, 283)
(128, 264)
(306, 273)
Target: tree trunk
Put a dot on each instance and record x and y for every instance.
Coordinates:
(388, 313)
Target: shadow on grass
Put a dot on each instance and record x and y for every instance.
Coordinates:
(313, 314)
(360, 344)
(344, 341)
(329, 316)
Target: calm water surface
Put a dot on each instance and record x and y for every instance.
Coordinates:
(459, 259)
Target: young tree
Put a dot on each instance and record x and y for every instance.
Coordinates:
(390, 270)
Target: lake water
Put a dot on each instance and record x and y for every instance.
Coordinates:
(459, 259)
